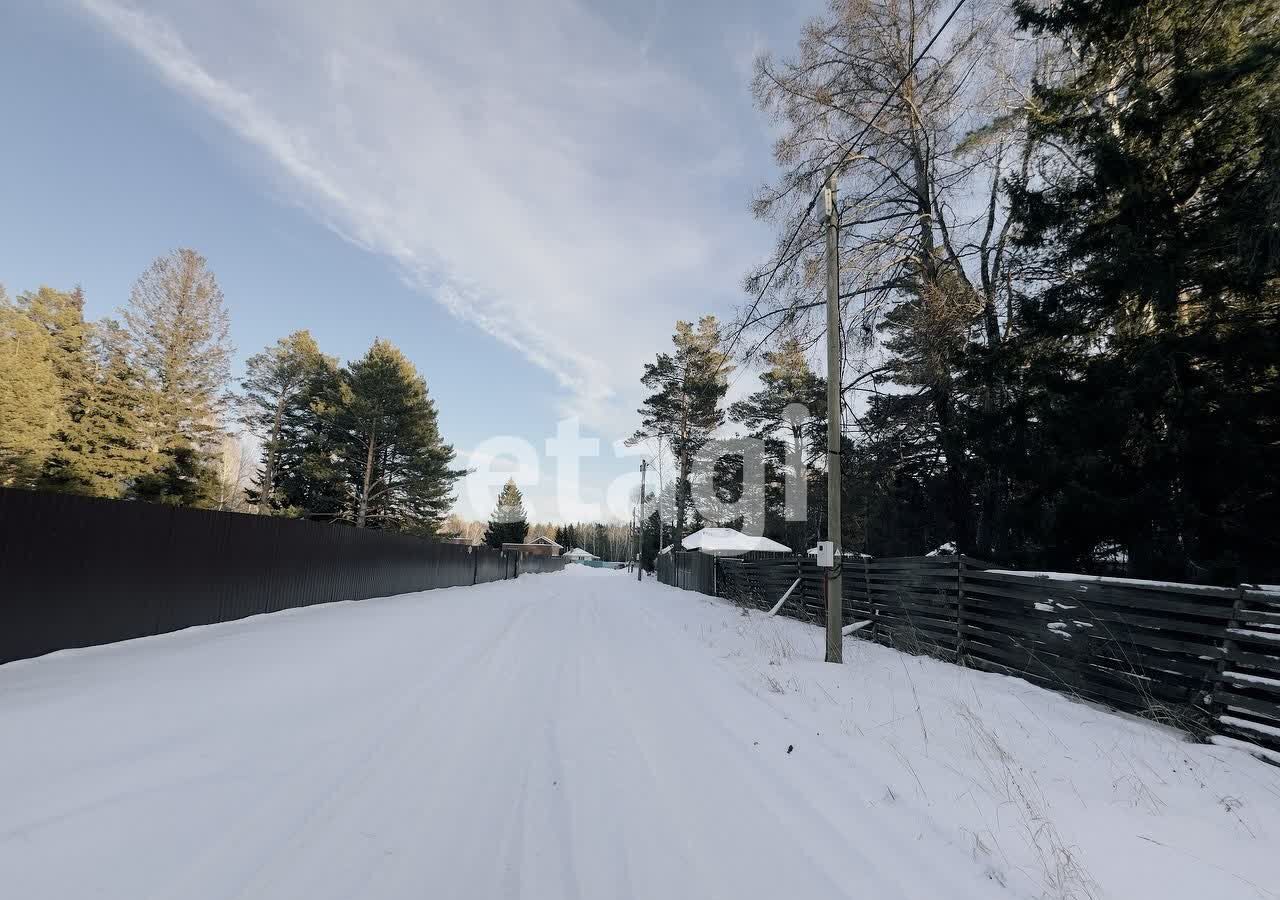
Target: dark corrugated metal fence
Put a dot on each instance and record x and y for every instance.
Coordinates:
(78, 571)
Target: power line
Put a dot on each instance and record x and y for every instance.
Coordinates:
(843, 159)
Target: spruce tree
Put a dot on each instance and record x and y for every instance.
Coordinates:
(508, 524)
(649, 542)
(106, 455)
(567, 536)
(61, 315)
(179, 327)
(277, 379)
(31, 397)
(99, 447)
(309, 477)
(1149, 351)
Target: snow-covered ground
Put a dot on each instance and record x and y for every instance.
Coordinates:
(581, 736)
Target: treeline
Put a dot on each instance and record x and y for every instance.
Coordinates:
(509, 524)
(144, 408)
(611, 541)
(1059, 277)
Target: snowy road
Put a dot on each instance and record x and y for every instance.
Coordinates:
(561, 736)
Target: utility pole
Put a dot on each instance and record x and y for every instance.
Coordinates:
(661, 485)
(834, 582)
(644, 464)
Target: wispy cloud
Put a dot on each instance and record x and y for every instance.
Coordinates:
(526, 166)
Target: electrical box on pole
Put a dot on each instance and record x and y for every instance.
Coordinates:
(826, 554)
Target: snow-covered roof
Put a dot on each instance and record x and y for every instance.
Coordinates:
(730, 542)
(579, 553)
(543, 539)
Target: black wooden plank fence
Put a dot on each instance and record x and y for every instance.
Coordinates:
(78, 571)
(690, 571)
(1204, 658)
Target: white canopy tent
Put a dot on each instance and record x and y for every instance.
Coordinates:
(729, 542)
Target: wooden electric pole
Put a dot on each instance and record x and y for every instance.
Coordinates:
(834, 581)
(640, 533)
(661, 485)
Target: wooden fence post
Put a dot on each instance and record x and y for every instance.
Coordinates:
(871, 603)
(1212, 707)
(960, 607)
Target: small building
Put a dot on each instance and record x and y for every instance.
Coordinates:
(532, 549)
(577, 554)
(543, 540)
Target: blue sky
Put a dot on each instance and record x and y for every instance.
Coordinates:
(523, 196)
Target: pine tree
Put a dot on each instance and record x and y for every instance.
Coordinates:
(31, 397)
(787, 381)
(684, 407)
(276, 380)
(179, 327)
(508, 524)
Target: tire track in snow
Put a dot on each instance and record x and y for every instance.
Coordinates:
(394, 803)
(332, 780)
(563, 740)
(501, 842)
